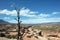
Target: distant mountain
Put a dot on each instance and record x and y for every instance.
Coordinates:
(55, 22)
(3, 22)
(51, 23)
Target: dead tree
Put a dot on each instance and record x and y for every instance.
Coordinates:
(20, 33)
(21, 30)
(19, 36)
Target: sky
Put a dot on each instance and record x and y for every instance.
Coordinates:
(31, 11)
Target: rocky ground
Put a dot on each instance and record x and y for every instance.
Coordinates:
(3, 38)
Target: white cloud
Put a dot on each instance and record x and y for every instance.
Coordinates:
(6, 18)
(35, 21)
(56, 13)
(23, 12)
(27, 12)
(42, 20)
(44, 15)
(32, 13)
(7, 12)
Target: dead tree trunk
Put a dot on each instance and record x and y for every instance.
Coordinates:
(19, 37)
(20, 30)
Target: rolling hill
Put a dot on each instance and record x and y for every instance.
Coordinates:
(3, 22)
